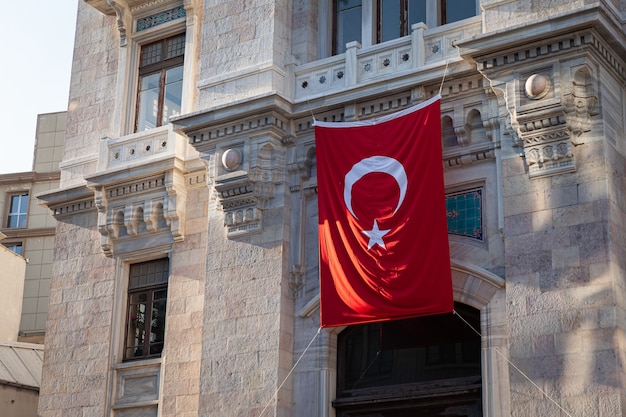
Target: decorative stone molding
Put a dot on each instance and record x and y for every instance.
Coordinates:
(549, 129)
(239, 203)
(68, 202)
(150, 208)
(547, 110)
(468, 157)
(245, 155)
(119, 13)
(580, 102)
(303, 188)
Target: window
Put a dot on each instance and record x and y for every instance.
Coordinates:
(397, 16)
(160, 82)
(18, 209)
(15, 247)
(427, 366)
(375, 21)
(455, 10)
(347, 23)
(147, 299)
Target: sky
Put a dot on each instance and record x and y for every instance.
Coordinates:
(37, 46)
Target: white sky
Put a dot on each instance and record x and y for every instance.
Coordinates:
(36, 44)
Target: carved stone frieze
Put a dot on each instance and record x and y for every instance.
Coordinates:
(141, 208)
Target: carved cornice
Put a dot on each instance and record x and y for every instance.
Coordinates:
(13, 233)
(67, 202)
(548, 109)
(593, 29)
(28, 177)
(464, 157)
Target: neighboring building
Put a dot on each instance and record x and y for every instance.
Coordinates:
(20, 377)
(185, 278)
(20, 363)
(12, 284)
(28, 227)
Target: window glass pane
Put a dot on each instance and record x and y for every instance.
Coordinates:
(175, 46)
(417, 12)
(15, 247)
(149, 273)
(18, 209)
(136, 332)
(390, 20)
(148, 102)
(173, 93)
(151, 54)
(456, 10)
(348, 20)
(157, 329)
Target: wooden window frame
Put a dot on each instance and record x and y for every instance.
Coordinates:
(149, 290)
(161, 67)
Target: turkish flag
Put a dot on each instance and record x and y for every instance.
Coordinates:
(383, 235)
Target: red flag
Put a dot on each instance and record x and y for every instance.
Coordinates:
(383, 235)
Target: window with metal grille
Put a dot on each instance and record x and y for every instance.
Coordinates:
(147, 300)
(160, 82)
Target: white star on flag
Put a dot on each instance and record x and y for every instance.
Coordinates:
(376, 236)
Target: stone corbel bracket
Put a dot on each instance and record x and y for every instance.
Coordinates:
(119, 8)
(580, 100)
(145, 208)
(246, 181)
(237, 198)
(244, 153)
(550, 122)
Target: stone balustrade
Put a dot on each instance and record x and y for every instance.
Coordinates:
(393, 59)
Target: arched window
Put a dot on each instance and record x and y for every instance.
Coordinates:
(428, 366)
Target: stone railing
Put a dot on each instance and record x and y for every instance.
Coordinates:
(384, 61)
(140, 148)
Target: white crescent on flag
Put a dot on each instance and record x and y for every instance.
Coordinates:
(377, 163)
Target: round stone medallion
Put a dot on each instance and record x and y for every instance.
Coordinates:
(231, 159)
(537, 86)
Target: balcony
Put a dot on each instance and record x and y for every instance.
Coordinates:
(422, 50)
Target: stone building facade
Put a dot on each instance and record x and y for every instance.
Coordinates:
(188, 201)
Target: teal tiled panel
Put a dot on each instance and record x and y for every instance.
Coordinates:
(464, 213)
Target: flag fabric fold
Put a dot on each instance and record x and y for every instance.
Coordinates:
(383, 238)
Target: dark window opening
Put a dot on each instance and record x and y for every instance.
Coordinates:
(427, 366)
(147, 300)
